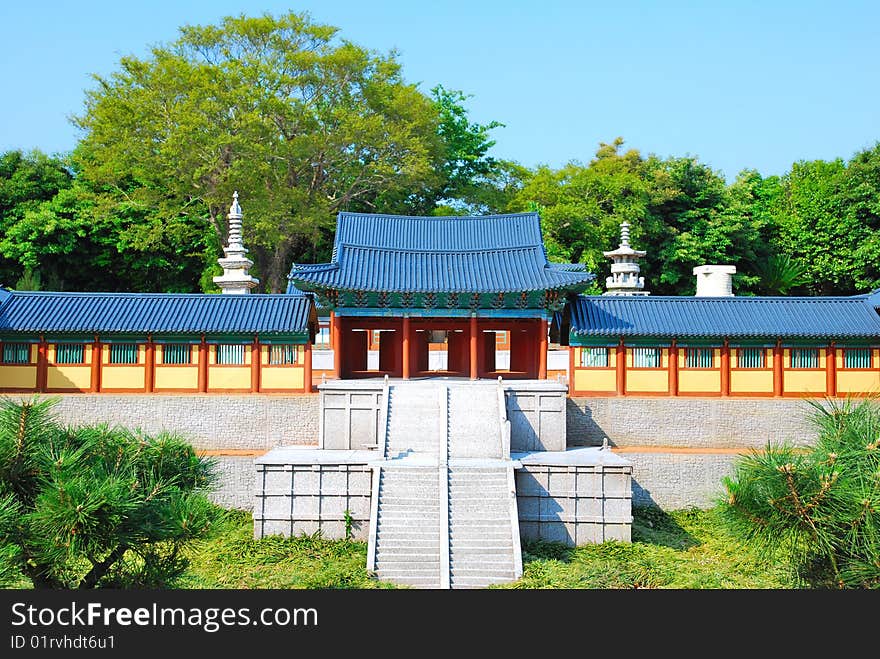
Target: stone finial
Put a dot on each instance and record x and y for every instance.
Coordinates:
(625, 279)
(624, 234)
(235, 277)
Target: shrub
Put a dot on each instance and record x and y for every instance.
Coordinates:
(820, 506)
(93, 505)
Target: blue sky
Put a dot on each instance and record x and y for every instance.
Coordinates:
(736, 83)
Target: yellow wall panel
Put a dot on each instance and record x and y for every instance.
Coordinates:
(647, 381)
(699, 381)
(177, 377)
(751, 381)
(803, 382)
(858, 381)
(595, 380)
(281, 378)
(18, 377)
(229, 377)
(69, 377)
(122, 377)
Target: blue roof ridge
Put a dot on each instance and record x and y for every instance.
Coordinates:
(736, 298)
(133, 294)
(437, 217)
(481, 250)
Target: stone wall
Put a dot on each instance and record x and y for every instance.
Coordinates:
(673, 481)
(690, 443)
(209, 421)
(688, 422)
(574, 504)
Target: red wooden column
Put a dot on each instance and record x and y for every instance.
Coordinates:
(405, 348)
(42, 364)
(256, 359)
(621, 369)
(307, 368)
(673, 368)
(203, 366)
(725, 368)
(830, 370)
(473, 337)
(96, 366)
(570, 370)
(336, 344)
(777, 369)
(150, 366)
(542, 350)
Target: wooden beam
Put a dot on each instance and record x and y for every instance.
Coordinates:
(473, 347)
(256, 358)
(542, 350)
(96, 366)
(203, 366)
(725, 368)
(336, 344)
(831, 370)
(42, 364)
(673, 368)
(405, 348)
(777, 368)
(621, 369)
(307, 368)
(150, 366)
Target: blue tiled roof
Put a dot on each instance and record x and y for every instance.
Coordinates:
(724, 317)
(156, 313)
(487, 254)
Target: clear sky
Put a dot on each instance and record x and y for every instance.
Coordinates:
(738, 83)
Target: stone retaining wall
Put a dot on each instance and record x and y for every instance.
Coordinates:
(209, 421)
(688, 422)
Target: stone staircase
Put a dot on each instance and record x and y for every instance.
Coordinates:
(413, 420)
(444, 503)
(407, 541)
(483, 537)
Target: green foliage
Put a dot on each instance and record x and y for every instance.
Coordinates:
(779, 274)
(26, 181)
(818, 508)
(681, 549)
(684, 549)
(301, 122)
(232, 558)
(827, 216)
(90, 506)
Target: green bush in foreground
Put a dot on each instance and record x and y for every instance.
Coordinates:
(94, 506)
(819, 507)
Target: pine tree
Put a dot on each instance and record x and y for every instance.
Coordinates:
(96, 506)
(821, 506)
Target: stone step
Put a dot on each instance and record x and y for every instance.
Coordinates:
(400, 559)
(400, 574)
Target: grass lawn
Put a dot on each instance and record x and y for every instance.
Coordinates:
(683, 549)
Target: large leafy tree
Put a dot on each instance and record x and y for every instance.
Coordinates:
(582, 206)
(301, 122)
(26, 181)
(827, 216)
(693, 218)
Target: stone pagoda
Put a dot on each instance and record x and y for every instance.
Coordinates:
(235, 278)
(624, 279)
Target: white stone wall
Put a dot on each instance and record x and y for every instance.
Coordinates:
(688, 422)
(209, 421)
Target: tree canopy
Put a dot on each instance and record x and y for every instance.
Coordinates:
(305, 124)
